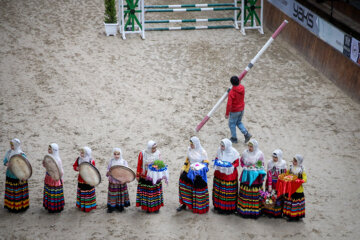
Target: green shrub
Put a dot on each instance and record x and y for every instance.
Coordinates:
(110, 11)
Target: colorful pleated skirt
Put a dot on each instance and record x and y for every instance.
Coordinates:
(294, 207)
(275, 210)
(194, 195)
(224, 195)
(16, 195)
(248, 204)
(53, 199)
(149, 196)
(86, 197)
(118, 196)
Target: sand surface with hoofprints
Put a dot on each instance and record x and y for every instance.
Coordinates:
(62, 80)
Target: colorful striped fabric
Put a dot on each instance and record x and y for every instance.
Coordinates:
(53, 199)
(118, 196)
(224, 194)
(275, 211)
(194, 195)
(16, 195)
(294, 207)
(149, 196)
(86, 197)
(248, 204)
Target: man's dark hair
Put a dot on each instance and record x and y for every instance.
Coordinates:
(234, 81)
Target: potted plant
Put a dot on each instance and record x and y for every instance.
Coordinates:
(110, 22)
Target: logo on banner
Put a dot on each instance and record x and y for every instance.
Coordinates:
(303, 15)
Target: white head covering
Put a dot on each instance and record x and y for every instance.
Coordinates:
(120, 161)
(251, 158)
(280, 164)
(230, 154)
(55, 154)
(148, 156)
(87, 155)
(198, 154)
(17, 148)
(299, 168)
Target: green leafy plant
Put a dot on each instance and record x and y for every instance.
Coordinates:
(259, 164)
(160, 164)
(110, 11)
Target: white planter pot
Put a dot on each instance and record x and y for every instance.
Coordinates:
(111, 28)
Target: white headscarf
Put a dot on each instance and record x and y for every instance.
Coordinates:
(87, 156)
(230, 154)
(251, 158)
(198, 154)
(280, 164)
(148, 156)
(120, 161)
(299, 168)
(55, 154)
(17, 148)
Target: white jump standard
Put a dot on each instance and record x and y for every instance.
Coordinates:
(132, 16)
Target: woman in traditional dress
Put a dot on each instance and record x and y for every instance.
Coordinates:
(118, 195)
(275, 167)
(294, 205)
(193, 188)
(53, 199)
(225, 185)
(86, 197)
(248, 204)
(149, 196)
(16, 190)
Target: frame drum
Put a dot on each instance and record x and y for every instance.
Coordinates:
(51, 167)
(122, 173)
(20, 167)
(90, 174)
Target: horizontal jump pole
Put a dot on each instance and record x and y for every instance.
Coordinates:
(189, 28)
(192, 9)
(191, 5)
(242, 75)
(191, 20)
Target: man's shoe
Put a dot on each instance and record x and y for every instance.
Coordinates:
(182, 207)
(233, 140)
(247, 137)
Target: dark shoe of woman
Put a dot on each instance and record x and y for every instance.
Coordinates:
(182, 207)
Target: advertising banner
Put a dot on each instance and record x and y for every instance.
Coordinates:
(336, 38)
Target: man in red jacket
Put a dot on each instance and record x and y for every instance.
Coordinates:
(235, 109)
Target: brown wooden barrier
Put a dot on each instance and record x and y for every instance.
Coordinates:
(333, 64)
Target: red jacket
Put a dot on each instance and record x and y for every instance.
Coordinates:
(236, 99)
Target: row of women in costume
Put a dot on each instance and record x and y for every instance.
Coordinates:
(149, 195)
(227, 196)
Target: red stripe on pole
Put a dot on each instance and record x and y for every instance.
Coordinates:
(242, 75)
(206, 118)
(280, 28)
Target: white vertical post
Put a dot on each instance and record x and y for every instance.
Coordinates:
(142, 18)
(122, 20)
(235, 15)
(242, 17)
(261, 30)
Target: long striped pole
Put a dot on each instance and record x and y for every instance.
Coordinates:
(191, 5)
(192, 9)
(242, 75)
(190, 20)
(189, 28)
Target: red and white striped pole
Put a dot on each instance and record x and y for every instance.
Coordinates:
(242, 75)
